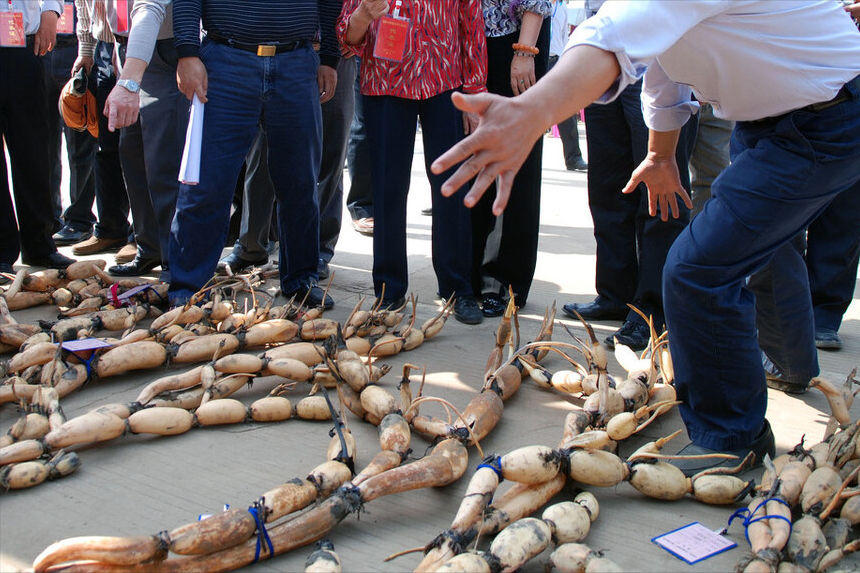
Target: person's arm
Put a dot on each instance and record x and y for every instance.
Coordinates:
(46, 35)
(509, 126)
(86, 42)
(360, 20)
(523, 65)
(191, 75)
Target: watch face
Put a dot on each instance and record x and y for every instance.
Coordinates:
(130, 85)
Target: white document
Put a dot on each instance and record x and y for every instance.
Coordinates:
(189, 170)
(694, 542)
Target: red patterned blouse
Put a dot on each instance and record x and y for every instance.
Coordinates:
(446, 48)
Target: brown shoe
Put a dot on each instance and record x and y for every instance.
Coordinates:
(126, 254)
(95, 245)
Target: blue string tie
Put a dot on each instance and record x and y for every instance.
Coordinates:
(262, 534)
(747, 518)
(494, 464)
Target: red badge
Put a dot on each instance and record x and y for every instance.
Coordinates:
(66, 23)
(391, 39)
(12, 30)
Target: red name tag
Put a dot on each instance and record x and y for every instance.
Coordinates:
(122, 16)
(66, 23)
(12, 30)
(391, 39)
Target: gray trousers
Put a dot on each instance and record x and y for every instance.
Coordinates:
(151, 151)
(259, 198)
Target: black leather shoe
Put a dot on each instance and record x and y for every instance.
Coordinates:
(69, 236)
(139, 266)
(578, 165)
(323, 271)
(237, 264)
(6, 269)
(315, 296)
(763, 444)
(55, 260)
(598, 309)
(493, 305)
(467, 310)
(633, 334)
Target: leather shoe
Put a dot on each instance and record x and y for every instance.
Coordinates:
(315, 296)
(493, 305)
(598, 309)
(389, 304)
(763, 444)
(6, 269)
(827, 339)
(363, 225)
(427, 211)
(69, 236)
(578, 165)
(55, 260)
(467, 311)
(95, 245)
(775, 378)
(237, 264)
(139, 266)
(633, 334)
(323, 271)
(126, 254)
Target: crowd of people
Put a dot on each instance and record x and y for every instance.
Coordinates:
(772, 171)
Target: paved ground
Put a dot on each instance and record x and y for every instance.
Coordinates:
(139, 485)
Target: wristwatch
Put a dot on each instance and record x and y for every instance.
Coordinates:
(130, 85)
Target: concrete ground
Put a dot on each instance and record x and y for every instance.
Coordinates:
(140, 485)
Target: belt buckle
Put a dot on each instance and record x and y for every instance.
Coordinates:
(266, 50)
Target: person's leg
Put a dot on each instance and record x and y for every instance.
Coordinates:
(10, 246)
(258, 203)
(337, 114)
(568, 132)
(229, 125)
(710, 154)
(55, 131)
(110, 189)
(783, 175)
(359, 200)
(163, 123)
(293, 122)
(832, 256)
(390, 124)
(442, 128)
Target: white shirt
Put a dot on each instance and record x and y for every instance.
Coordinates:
(750, 59)
(32, 11)
(560, 29)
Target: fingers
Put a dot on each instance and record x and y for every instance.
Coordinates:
(111, 113)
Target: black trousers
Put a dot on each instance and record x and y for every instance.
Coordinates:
(504, 248)
(24, 127)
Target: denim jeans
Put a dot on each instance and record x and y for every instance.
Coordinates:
(244, 91)
(359, 199)
(785, 171)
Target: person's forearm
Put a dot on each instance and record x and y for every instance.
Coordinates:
(357, 28)
(133, 69)
(662, 144)
(580, 77)
(530, 28)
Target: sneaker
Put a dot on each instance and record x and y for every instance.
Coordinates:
(763, 444)
(315, 296)
(363, 225)
(633, 334)
(467, 310)
(827, 339)
(95, 245)
(126, 254)
(69, 236)
(578, 165)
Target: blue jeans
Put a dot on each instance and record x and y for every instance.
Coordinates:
(280, 92)
(785, 172)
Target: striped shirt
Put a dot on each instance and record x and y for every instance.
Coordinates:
(258, 22)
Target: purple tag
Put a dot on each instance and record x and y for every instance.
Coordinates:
(84, 344)
(131, 292)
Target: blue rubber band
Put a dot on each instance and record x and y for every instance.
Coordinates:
(262, 534)
(495, 464)
(748, 520)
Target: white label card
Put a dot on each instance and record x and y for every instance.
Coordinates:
(694, 542)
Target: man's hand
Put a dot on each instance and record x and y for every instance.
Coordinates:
(854, 9)
(192, 78)
(496, 150)
(121, 108)
(85, 62)
(327, 82)
(661, 178)
(373, 9)
(46, 35)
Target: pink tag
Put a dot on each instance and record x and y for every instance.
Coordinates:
(66, 23)
(12, 30)
(391, 39)
(122, 16)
